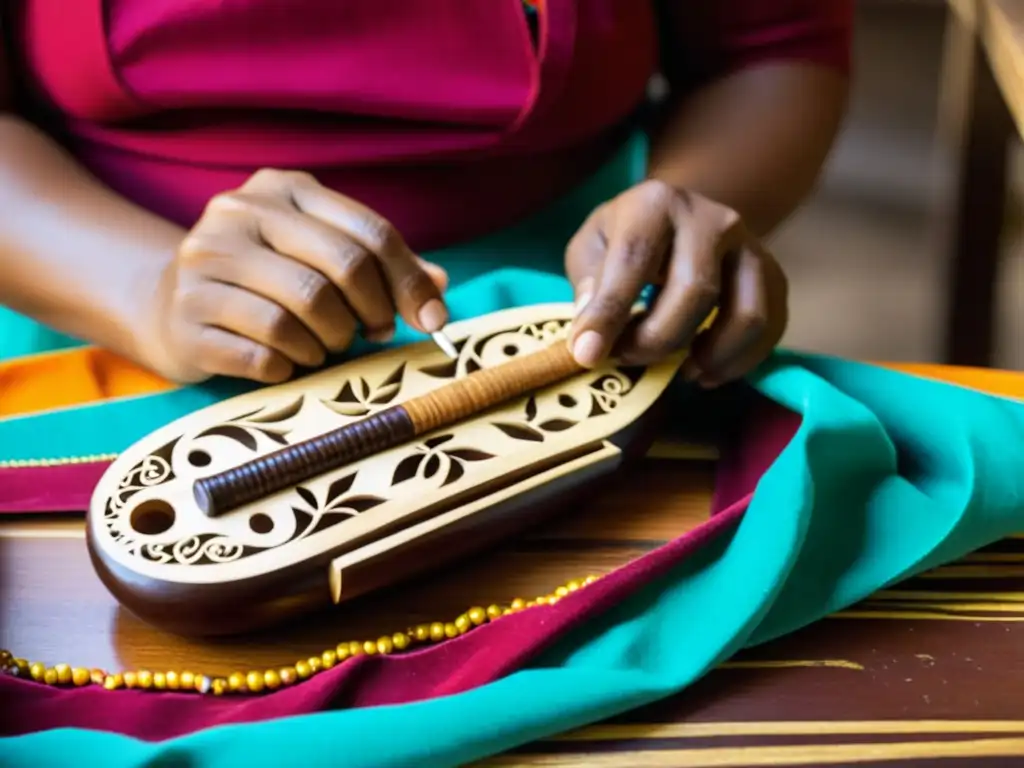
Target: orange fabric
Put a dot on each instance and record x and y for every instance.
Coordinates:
(87, 375)
(994, 382)
(71, 377)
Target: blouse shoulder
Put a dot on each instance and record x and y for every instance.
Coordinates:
(706, 39)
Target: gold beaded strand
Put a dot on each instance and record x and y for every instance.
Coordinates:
(257, 682)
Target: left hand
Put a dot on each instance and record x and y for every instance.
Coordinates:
(702, 257)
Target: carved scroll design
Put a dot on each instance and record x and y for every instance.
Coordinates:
(155, 469)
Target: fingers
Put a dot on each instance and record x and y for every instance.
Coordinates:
(751, 319)
(301, 290)
(688, 295)
(227, 354)
(637, 242)
(416, 295)
(250, 316)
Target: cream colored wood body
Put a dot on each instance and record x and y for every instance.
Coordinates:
(143, 517)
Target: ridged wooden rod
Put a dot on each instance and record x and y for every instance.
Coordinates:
(386, 429)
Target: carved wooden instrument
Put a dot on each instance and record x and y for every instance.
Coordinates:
(290, 498)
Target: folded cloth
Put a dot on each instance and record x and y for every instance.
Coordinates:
(869, 476)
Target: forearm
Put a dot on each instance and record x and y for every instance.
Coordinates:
(73, 254)
(755, 140)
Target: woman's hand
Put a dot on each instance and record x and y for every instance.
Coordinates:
(280, 272)
(702, 257)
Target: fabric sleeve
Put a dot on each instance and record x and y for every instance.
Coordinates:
(700, 40)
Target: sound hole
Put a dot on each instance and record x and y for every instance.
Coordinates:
(199, 458)
(260, 523)
(152, 517)
(510, 349)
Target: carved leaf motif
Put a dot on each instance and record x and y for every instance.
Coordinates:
(277, 437)
(445, 370)
(436, 441)
(469, 454)
(338, 488)
(432, 466)
(455, 471)
(273, 417)
(407, 468)
(521, 432)
(557, 425)
(238, 434)
(307, 496)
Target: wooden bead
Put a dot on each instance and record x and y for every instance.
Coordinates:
(254, 681)
(113, 682)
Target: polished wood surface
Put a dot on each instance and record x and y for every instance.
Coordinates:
(54, 608)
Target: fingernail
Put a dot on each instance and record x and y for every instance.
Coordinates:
(433, 316)
(588, 348)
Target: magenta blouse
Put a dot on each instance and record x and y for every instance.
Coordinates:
(451, 117)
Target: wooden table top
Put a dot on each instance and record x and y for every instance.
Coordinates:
(1000, 27)
(927, 673)
(54, 608)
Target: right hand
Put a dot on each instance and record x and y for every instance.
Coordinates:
(280, 272)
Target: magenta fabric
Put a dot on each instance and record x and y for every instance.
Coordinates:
(441, 114)
(476, 658)
(64, 488)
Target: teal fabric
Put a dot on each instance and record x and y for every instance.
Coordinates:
(887, 475)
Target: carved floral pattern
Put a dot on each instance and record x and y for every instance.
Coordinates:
(436, 462)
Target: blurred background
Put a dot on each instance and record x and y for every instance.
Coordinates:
(867, 273)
